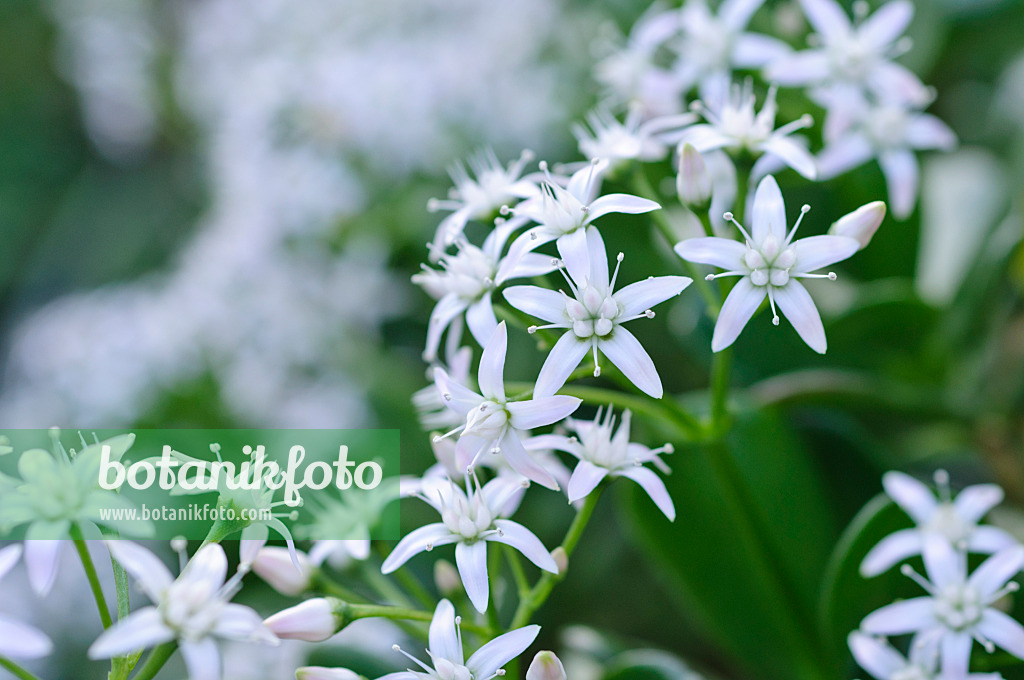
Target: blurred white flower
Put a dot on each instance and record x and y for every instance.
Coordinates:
(693, 181)
(277, 566)
(19, 639)
(192, 609)
(495, 423)
(958, 609)
(593, 316)
(861, 224)
(314, 620)
(545, 666)
(769, 263)
(339, 553)
(957, 520)
(429, 405)
(632, 139)
(883, 662)
(603, 451)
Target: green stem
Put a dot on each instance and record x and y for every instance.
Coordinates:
(156, 660)
(540, 592)
(522, 584)
(121, 666)
(90, 573)
(721, 371)
(366, 611)
(329, 586)
(17, 670)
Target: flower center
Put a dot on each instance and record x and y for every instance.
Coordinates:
(959, 606)
(852, 60)
(446, 670)
(592, 313)
(191, 609)
(947, 521)
(488, 420)
(769, 265)
(887, 127)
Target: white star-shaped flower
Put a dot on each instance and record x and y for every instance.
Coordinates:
(193, 609)
(470, 519)
(958, 608)
(495, 423)
(954, 519)
(769, 262)
(603, 451)
(632, 139)
(883, 662)
(593, 316)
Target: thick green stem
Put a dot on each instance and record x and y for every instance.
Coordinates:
(90, 573)
(155, 661)
(121, 666)
(17, 670)
(538, 595)
(721, 371)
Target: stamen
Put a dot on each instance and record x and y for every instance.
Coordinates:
(565, 275)
(460, 428)
(618, 261)
(728, 217)
(419, 663)
(942, 481)
(1009, 588)
(831, 276)
(588, 191)
(771, 301)
(597, 367)
(803, 211)
(712, 277)
(804, 121)
(909, 572)
(860, 10)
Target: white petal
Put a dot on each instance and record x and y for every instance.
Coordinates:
(471, 560)
(253, 538)
(642, 295)
(446, 309)
(769, 212)
(1004, 631)
(900, 168)
(720, 252)
(846, 153)
(975, 501)
(22, 641)
(455, 396)
(562, 360)
(153, 576)
(597, 255)
(794, 155)
(905, 616)
(915, 498)
(654, 487)
(891, 550)
(531, 264)
(875, 656)
(521, 461)
(625, 351)
(524, 540)
(796, 305)
(238, 622)
(896, 84)
(491, 374)
(620, 203)
(9, 556)
(704, 138)
(543, 303)
(444, 636)
(481, 320)
(988, 540)
(861, 224)
(997, 570)
(139, 630)
(944, 565)
(800, 68)
(754, 50)
(424, 538)
(529, 240)
(585, 478)
(499, 651)
(925, 131)
(827, 17)
(202, 660)
(572, 248)
(41, 558)
(815, 252)
(207, 568)
(741, 303)
(887, 23)
(956, 655)
(533, 413)
(736, 13)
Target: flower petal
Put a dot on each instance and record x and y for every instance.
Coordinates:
(446, 309)
(597, 255)
(720, 252)
(886, 24)
(945, 566)
(798, 307)
(526, 242)
(741, 303)
(471, 560)
(800, 68)
(845, 153)
(521, 461)
(997, 570)
(769, 212)
(491, 375)
(572, 248)
(794, 155)
(444, 636)
(41, 558)
(141, 629)
(975, 501)
(861, 224)
(654, 487)
(562, 360)
(202, 660)
(704, 138)
(238, 622)
(905, 616)
(901, 176)
(481, 320)
(499, 651)
(9, 556)
(755, 50)
(827, 17)
(585, 478)
(151, 573)
(875, 656)
(815, 252)
(642, 295)
(532, 413)
(925, 131)
(890, 550)
(620, 203)
(208, 567)
(956, 655)
(1004, 631)
(455, 396)
(416, 541)
(21, 640)
(543, 303)
(625, 351)
(988, 540)
(524, 540)
(915, 498)
(736, 13)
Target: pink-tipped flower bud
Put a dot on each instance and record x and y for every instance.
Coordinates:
(861, 224)
(545, 666)
(313, 620)
(321, 673)
(274, 565)
(693, 183)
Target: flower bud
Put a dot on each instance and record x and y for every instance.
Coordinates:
(313, 620)
(274, 565)
(545, 666)
(561, 559)
(447, 578)
(861, 224)
(321, 673)
(693, 183)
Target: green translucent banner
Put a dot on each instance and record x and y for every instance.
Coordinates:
(222, 484)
